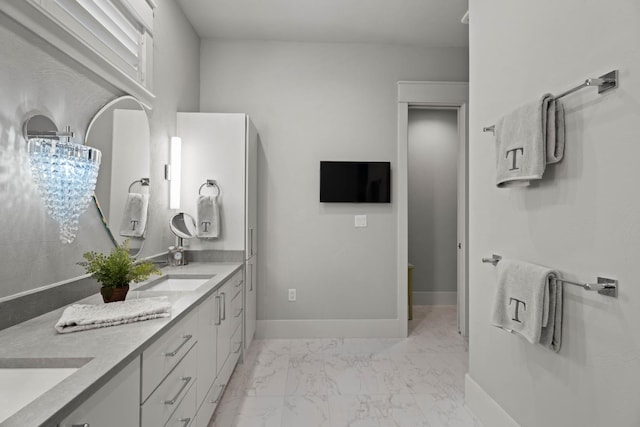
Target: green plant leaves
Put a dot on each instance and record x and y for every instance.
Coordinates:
(117, 269)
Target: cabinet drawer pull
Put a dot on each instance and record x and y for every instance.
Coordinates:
(222, 386)
(81, 425)
(251, 277)
(224, 306)
(238, 313)
(185, 421)
(185, 338)
(238, 349)
(219, 318)
(186, 381)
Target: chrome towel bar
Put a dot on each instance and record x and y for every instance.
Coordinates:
(603, 83)
(604, 286)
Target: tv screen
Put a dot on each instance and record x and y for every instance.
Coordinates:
(355, 182)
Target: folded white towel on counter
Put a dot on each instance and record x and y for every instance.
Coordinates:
(528, 301)
(80, 317)
(527, 139)
(208, 213)
(134, 219)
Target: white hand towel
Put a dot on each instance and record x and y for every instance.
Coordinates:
(528, 139)
(528, 301)
(80, 317)
(208, 214)
(134, 219)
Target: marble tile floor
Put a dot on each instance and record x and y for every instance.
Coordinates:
(417, 381)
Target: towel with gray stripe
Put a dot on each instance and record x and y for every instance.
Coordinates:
(528, 301)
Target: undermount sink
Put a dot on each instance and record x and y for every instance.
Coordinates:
(177, 282)
(22, 380)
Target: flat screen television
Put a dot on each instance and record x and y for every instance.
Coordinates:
(355, 182)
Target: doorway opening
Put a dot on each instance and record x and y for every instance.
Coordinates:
(439, 242)
(433, 204)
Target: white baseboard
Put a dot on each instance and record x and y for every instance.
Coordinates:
(344, 328)
(484, 407)
(435, 298)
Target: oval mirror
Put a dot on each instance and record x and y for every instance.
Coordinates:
(184, 226)
(121, 131)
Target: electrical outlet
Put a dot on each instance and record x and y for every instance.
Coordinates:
(292, 294)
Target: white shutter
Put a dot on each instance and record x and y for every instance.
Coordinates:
(112, 38)
(122, 26)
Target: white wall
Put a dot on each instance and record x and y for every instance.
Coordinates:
(35, 77)
(313, 102)
(582, 218)
(433, 204)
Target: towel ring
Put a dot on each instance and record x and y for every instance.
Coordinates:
(143, 182)
(210, 183)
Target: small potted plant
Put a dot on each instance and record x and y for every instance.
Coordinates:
(116, 270)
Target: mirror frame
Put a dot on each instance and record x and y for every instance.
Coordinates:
(96, 203)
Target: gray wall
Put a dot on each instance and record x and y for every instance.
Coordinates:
(313, 102)
(433, 204)
(582, 218)
(35, 77)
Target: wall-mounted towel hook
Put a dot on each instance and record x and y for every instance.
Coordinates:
(210, 183)
(144, 182)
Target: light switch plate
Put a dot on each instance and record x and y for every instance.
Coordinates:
(360, 220)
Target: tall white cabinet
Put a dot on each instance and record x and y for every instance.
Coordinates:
(224, 147)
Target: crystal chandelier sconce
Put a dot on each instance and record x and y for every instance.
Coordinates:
(64, 172)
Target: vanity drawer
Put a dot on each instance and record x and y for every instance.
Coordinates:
(160, 358)
(185, 414)
(236, 309)
(213, 397)
(236, 347)
(236, 280)
(122, 392)
(164, 401)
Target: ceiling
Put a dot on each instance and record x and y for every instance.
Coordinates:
(432, 23)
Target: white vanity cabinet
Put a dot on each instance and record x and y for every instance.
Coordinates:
(112, 38)
(114, 404)
(220, 331)
(179, 379)
(224, 147)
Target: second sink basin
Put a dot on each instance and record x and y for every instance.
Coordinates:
(23, 380)
(177, 282)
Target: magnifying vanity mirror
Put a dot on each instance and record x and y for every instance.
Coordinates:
(183, 226)
(121, 131)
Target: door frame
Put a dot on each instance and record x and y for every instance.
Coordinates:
(436, 95)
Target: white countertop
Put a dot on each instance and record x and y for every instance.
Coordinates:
(109, 349)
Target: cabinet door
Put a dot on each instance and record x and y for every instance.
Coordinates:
(207, 332)
(213, 145)
(250, 300)
(224, 316)
(251, 191)
(122, 393)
